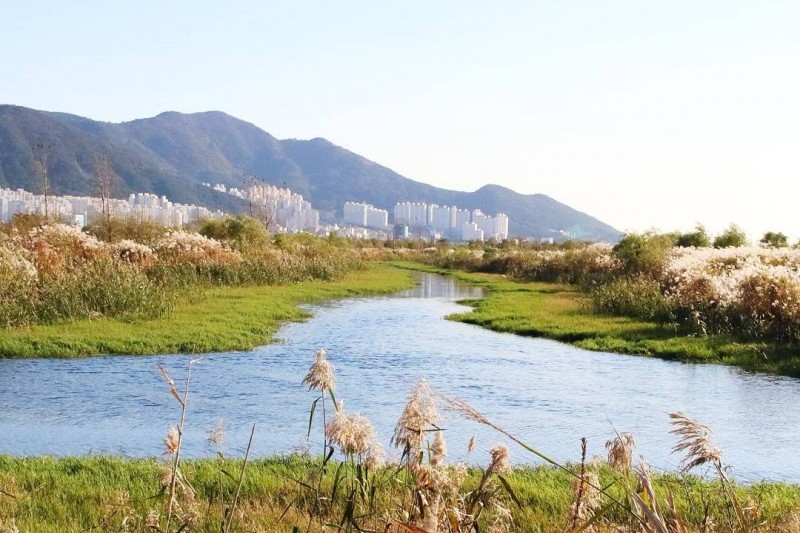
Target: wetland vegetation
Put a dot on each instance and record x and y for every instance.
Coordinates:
(67, 292)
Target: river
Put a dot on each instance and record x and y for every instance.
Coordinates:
(546, 393)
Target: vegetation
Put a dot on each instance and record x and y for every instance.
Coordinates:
(53, 272)
(565, 313)
(774, 239)
(71, 494)
(695, 239)
(350, 488)
(214, 319)
(733, 236)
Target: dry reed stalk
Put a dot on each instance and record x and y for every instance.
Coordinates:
(216, 436)
(695, 440)
(227, 525)
(438, 449)
(620, 451)
(478, 497)
(418, 416)
(651, 519)
(578, 489)
(320, 375)
(352, 433)
(173, 444)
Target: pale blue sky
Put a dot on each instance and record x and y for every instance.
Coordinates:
(642, 113)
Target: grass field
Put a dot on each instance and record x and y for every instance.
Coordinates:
(562, 313)
(73, 494)
(214, 319)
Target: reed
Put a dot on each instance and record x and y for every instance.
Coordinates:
(53, 273)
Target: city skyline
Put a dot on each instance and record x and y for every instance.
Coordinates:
(278, 208)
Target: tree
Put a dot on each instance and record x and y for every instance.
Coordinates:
(733, 236)
(643, 253)
(239, 231)
(41, 153)
(263, 208)
(774, 239)
(698, 238)
(104, 177)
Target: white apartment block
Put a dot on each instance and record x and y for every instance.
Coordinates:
(84, 209)
(419, 215)
(402, 213)
(414, 214)
(471, 232)
(456, 223)
(440, 217)
(377, 218)
(365, 215)
(355, 213)
(286, 210)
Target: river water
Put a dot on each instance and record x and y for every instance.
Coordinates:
(547, 394)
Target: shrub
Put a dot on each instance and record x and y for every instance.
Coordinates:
(732, 237)
(638, 297)
(694, 239)
(643, 254)
(773, 239)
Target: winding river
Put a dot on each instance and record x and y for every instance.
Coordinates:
(547, 394)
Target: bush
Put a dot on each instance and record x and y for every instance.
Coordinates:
(643, 254)
(732, 237)
(635, 297)
(57, 272)
(694, 239)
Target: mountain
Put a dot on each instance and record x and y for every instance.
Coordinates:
(174, 153)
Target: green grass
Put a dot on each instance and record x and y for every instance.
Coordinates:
(216, 319)
(563, 313)
(72, 494)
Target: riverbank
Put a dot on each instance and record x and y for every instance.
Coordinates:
(56, 495)
(562, 313)
(208, 320)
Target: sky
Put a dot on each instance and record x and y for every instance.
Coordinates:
(644, 114)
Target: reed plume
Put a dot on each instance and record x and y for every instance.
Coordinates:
(320, 375)
(352, 433)
(418, 416)
(172, 441)
(695, 440)
(438, 449)
(620, 451)
(216, 435)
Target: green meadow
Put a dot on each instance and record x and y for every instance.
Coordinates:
(206, 319)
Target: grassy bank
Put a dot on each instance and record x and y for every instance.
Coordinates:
(561, 312)
(213, 319)
(59, 495)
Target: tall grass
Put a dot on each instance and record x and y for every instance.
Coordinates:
(53, 272)
(747, 292)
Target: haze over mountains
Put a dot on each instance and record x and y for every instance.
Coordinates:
(174, 153)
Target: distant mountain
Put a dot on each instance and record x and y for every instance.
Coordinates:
(174, 153)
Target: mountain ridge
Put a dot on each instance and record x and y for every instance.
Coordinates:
(173, 153)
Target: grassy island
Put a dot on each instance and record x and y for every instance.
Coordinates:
(563, 312)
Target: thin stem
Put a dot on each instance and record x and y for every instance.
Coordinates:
(176, 460)
(241, 479)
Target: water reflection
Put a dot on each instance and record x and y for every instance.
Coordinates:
(433, 286)
(547, 393)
